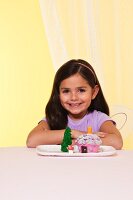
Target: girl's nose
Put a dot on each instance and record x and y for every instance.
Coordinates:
(74, 96)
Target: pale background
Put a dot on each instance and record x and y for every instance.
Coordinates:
(37, 37)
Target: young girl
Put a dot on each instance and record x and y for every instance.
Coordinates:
(76, 101)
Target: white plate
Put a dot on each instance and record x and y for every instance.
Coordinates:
(55, 150)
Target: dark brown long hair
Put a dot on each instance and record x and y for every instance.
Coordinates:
(56, 115)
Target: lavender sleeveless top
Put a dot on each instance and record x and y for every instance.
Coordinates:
(94, 119)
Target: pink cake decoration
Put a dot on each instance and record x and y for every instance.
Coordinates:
(88, 143)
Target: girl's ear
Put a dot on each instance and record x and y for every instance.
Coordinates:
(95, 91)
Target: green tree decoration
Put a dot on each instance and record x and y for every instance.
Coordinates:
(67, 140)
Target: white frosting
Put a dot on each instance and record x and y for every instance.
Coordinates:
(88, 139)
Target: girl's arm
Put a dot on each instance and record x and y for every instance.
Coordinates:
(41, 134)
(110, 135)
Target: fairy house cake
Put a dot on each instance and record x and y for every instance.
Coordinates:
(85, 143)
(88, 143)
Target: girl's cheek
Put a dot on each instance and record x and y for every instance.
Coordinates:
(63, 98)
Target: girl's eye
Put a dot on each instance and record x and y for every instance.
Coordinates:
(81, 90)
(65, 91)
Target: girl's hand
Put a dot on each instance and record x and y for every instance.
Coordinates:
(76, 133)
(73, 142)
(101, 134)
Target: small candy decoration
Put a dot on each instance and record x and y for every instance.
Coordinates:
(70, 148)
(89, 130)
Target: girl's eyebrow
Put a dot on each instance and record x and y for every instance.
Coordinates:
(82, 87)
(65, 88)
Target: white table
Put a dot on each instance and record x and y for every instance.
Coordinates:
(26, 176)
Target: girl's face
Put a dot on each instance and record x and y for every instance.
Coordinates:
(76, 95)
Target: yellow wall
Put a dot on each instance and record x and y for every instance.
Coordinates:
(24, 58)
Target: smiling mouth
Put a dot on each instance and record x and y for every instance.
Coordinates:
(74, 104)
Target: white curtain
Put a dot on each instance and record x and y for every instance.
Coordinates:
(71, 31)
